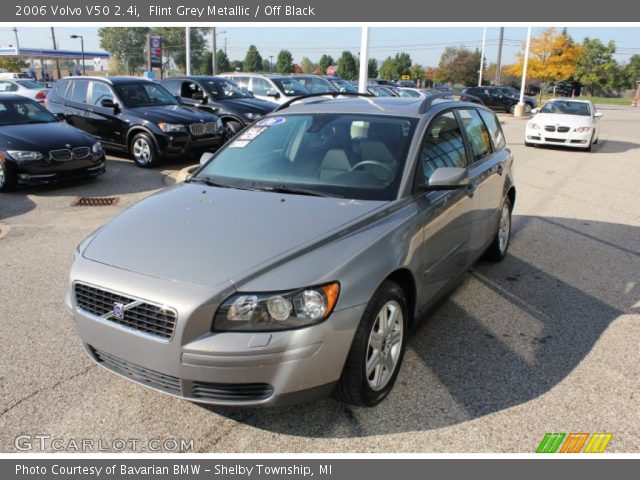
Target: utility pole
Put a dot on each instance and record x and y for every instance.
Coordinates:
(271, 63)
(215, 52)
(15, 30)
(364, 60)
(499, 59)
(520, 108)
(225, 45)
(484, 41)
(55, 47)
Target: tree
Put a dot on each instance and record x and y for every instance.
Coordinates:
(402, 62)
(222, 62)
(126, 46)
(388, 70)
(372, 68)
(12, 64)
(252, 60)
(284, 64)
(459, 65)
(174, 43)
(417, 72)
(632, 71)
(552, 57)
(347, 67)
(596, 67)
(325, 61)
(307, 66)
(266, 65)
(236, 65)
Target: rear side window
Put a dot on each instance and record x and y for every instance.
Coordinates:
(443, 146)
(261, 86)
(62, 87)
(493, 124)
(8, 87)
(477, 133)
(79, 93)
(173, 86)
(100, 92)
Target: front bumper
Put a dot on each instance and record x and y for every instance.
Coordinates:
(41, 175)
(184, 144)
(568, 139)
(220, 368)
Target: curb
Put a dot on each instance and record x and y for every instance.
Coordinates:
(180, 175)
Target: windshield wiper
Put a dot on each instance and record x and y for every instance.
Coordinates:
(294, 191)
(208, 182)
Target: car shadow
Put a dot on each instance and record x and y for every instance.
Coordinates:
(511, 333)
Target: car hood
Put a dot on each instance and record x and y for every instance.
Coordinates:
(254, 105)
(173, 114)
(561, 119)
(205, 236)
(43, 137)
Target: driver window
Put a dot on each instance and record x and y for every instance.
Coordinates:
(443, 145)
(99, 92)
(190, 90)
(261, 86)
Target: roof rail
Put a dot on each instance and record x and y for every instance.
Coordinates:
(427, 102)
(323, 94)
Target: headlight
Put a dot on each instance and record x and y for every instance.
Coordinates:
(97, 148)
(252, 116)
(582, 129)
(277, 310)
(24, 155)
(534, 126)
(171, 127)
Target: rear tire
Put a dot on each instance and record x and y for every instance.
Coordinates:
(143, 150)
(7, 176)
(377, 349)
(512, 109)
(500, 243)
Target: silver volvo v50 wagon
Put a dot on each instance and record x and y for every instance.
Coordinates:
(293, 263)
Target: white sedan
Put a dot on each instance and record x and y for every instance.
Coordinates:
(25, 87)
(564, 122)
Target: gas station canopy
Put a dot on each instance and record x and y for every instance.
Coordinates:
(50, 53)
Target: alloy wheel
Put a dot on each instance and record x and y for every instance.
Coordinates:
(385, 345)
(504, 228)
(142, 151)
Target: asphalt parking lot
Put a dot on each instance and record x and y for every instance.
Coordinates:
(546, 341)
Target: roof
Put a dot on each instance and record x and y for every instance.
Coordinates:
(256, 74)
(569, 99)
(117, 80)
(365, 105)
(195, 77)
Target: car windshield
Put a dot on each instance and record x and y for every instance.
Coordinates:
(30, 84)
(290, 87)
(567, 108)
(222, 89)
(20, 112)
(343, 85)
(144, 95)
(350, 156)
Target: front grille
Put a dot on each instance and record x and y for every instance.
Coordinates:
(230, 391)
(550, 128)
(198, 129)
(241, 392)
(563, 129)
(61, 155)
(130, 312)
(81, 152)
(139, 374)
(556, 140)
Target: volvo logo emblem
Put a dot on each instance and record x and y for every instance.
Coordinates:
(118, 310)
(67, 145)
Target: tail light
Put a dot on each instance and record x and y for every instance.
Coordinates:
(41, 95)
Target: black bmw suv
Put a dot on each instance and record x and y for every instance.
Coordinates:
(235, 106)
(501, 98)
(135, 116)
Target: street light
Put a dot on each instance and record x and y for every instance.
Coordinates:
(84, 72)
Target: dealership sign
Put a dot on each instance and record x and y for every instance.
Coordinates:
(155, 51)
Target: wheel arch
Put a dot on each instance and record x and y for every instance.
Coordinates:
(136, 129)
(405, 279)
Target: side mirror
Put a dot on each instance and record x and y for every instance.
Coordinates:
(204, 100)
(534, 110)
(107, 103)
(448, 178)
(273, 93)
(597, 115)
(60, 116)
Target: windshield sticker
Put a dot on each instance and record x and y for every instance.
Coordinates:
(239, 143)
(271, 121)
(251, 133)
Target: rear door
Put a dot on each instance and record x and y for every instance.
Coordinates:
(101, 121)
(486, 172)
(76, 104)
(445, 213)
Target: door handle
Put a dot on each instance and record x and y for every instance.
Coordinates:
(500, 169)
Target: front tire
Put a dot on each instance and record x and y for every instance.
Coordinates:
(377, 350)
(7, 176)
(233, 128)
(500, 243)
(143, 150)
(512, 109)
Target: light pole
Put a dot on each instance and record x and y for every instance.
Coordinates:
(271, 63)
(520, 108)
(214, 58)
(84, 72)
(484, 41)
(15, 30)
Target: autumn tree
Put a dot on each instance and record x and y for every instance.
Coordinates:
(553, 56)
(307, 66)
(417, 72)
(459, 65)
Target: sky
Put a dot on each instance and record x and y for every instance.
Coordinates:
(424, 44)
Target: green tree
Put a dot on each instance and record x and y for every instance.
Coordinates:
(388, 69)
(174, 46)
(126, 46)
(372, 68)
(266, 65)
(222, 62)
(403, 63)
(252, 60)
(236, 65)
(632, 71)
(596, 68)
(417, 72)
(11, 64)
(307, 65)
(458, 65)
(347, 67)
(325, 62)
(284, 64)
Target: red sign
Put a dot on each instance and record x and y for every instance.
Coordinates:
(331, 70)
